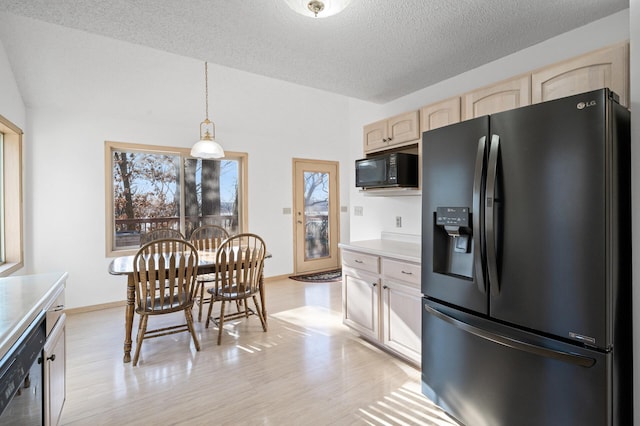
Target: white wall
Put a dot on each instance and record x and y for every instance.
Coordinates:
(11, 105)
(82, 89)
(380, 212)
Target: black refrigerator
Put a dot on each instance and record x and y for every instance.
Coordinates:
(526, 265)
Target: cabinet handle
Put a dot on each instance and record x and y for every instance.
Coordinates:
(407, 273)
(388, 140)
(385, 287)
(374, 284)
(358, 261)
(51, 358)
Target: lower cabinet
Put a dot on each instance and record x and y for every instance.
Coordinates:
(382, 302)
(54, 373)
(402, 309)
(361, 301)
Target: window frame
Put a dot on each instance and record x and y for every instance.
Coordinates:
(13, 234)
(184, 153)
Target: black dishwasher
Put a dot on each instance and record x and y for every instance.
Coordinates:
(21, 385)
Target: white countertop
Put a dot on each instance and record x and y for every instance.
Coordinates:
(22, 300)
(410, 252)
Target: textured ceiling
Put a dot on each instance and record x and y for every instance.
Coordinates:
(376, 50)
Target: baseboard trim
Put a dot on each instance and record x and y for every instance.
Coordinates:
(276, 278)
(91, 308)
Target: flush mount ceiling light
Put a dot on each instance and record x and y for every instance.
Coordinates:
(207, 147)
(318, 8)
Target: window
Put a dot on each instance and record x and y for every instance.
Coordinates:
(10, 198)
(151, 187)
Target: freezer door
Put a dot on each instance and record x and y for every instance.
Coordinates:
(454, 159)
(553, 207)
(484, 373)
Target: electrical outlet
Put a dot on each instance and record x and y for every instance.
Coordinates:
(398, 221)
(286, 210)
(357, 210)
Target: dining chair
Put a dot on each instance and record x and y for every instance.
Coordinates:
(207, 239)
(165, 273)
(158, 234)
(239, 269)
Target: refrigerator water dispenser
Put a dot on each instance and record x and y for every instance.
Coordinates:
(452, 242)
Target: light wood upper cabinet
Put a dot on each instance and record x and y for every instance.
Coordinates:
(503, 96)
(392, 131)
(375, 135)
(607, 67)
(440, 114)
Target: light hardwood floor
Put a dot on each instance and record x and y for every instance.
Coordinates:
(308, 369)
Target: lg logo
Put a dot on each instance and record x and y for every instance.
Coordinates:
(583, 105)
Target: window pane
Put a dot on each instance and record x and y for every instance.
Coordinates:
(316, 214)
(211, 193)
(160, 187)
(146, 194)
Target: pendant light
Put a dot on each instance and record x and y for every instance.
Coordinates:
(318, 8)
(207, 147)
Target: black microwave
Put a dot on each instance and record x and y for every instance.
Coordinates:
(393, 170)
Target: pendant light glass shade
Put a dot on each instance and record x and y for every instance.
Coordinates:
(207, 147)
(318, 8)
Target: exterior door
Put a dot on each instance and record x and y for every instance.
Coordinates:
(316, 215)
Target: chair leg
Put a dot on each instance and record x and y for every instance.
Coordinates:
(209, 314)
(188, 313)
(142, 329)
(221, 324)
(259, 313)
(201, 284)
(246, 307)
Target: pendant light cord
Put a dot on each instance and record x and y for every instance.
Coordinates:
(206, 91)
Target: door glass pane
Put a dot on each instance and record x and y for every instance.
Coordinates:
(316, 214)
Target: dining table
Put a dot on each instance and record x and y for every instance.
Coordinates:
(123, 265)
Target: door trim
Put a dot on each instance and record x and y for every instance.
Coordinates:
(333, 260)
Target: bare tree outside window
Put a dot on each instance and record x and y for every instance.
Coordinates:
(152, 190)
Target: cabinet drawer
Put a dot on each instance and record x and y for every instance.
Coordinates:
(366, 262)
(409, 272)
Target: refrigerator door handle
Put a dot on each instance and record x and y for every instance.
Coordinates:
(489, 214)
(477, 215)
(575, 359)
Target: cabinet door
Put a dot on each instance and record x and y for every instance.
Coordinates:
(500, 97)
(440, 114)
(360, 302)
(402, 320)
(404, 127)
(603, 68)
(55, 373)
(375, 136)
